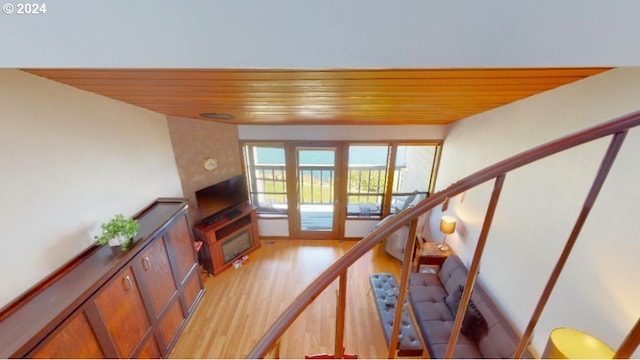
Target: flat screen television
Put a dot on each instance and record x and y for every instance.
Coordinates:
(216, 201)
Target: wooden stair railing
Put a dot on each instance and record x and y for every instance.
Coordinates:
(617, 127)
(601, 175)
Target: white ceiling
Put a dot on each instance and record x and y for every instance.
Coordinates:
(323, 34)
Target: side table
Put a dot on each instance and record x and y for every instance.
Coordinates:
(428, 253)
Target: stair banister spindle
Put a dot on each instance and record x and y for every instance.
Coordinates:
(601, 175)
(475, 265)
(630, 343)
(340, 315)
(402, 287)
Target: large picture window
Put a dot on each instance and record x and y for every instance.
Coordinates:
(267, 175)
(413, 171)
(367, 179)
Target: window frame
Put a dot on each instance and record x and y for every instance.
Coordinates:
(246, 148)
(347, 193)
(392, 166)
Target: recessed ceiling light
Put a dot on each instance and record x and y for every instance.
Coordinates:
(218, 116)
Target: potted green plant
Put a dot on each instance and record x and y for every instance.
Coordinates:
(118, 231)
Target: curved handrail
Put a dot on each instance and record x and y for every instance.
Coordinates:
(307, 296)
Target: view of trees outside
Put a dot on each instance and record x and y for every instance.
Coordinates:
(269, 185)
(369, 184)
(316, 176)
(367, 178)
(316, 186)
(272, 184)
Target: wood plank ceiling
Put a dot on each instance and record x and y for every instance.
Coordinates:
(362, 97)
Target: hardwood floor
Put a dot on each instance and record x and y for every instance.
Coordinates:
(241, 304)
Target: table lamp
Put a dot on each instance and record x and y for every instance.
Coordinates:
(565, 343)
(447, 226)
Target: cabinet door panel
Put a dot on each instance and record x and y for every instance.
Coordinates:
(171, 322)
(123, 312)
(149, 350)
(156, 274)
(182, 246)
(74, 339)
(191, 290)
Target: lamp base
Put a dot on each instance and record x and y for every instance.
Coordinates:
(443, 247)
(565, 343)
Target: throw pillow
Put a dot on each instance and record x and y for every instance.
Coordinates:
(474, 325)
(453, 300)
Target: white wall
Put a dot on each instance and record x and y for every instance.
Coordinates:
(599, 290)
(323, 34)
(353, 228)
(341, 132)
(70, 160)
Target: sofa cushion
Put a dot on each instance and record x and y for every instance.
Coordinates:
(425, 288)
(426, 295)
(427, 311)
(499, 343)
(420, 279)
(462, 351)
(438, 333)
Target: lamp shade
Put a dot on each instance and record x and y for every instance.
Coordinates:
(447, 224)
(565, 343)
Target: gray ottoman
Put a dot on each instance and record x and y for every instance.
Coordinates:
(385, 292)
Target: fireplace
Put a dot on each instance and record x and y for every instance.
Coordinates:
(227, 239)
(236, 245)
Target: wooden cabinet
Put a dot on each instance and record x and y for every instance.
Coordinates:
(228, 239)
(109, 303)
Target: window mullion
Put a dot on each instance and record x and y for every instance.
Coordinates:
(391, 166)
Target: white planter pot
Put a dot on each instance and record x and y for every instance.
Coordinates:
(118, 240)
